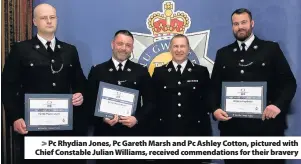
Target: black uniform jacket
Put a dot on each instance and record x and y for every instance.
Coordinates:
(263, 61)
(133, 76)
(28, 70)
(181, 108)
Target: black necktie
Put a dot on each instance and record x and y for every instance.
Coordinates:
(179, 69)
(49, 48)
(243, 47)
(119, 67)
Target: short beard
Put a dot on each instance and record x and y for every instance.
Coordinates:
(249, 32)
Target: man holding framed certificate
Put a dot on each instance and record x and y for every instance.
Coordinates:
(42, 81)
(117, 90)
(253, 85)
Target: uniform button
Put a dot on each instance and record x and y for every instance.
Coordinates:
(179, 94)
(179, 115)
(263, 64)
(179, 82)
(164, 87)
(53, 84)
(31, 64)
(199, 121)
(242, 60)
(224, 67)
(208, 113)
(193, 87)
(52, 61)
(242, 71)
(179, 104)
(70, 65)
(135, 82)
(160, 119)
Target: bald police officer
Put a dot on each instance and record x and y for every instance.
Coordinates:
(42, 65)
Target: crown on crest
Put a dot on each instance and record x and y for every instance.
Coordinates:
(166, 24)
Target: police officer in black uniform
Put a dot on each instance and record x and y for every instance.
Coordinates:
(250, 59)
(181, 91)
(42, 65)
(119, 70)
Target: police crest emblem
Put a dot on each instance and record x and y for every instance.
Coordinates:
(152, 50)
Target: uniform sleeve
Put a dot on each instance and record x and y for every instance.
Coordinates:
(79, 80)
(11, 85)
(287, 82)
(78, 85)
(147, 97)
(206, 86)
(92, 91)
(156, 92)
(216, 84)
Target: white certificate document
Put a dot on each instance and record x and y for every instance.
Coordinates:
(116, 102)
(244, 99)
(48, 112)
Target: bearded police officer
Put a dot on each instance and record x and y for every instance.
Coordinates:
(250, 59)
(42, 65)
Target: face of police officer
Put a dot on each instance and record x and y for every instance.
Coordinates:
(45, 19)
(179, 49)
(122, 47)
(242, 26)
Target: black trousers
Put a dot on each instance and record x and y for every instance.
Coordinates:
(184, 161)
(52, 161)
(161, 161)
(254, 161)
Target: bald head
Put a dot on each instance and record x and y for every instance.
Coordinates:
(41, 8)
(45, 19)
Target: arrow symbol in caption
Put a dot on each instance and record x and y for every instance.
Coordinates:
(44, 143)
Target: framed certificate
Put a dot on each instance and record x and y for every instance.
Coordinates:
(47, 112)
(114, 99)
(244, 99)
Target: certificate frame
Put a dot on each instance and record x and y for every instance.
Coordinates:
(102, 86)
(263, 98)
(29, 97)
